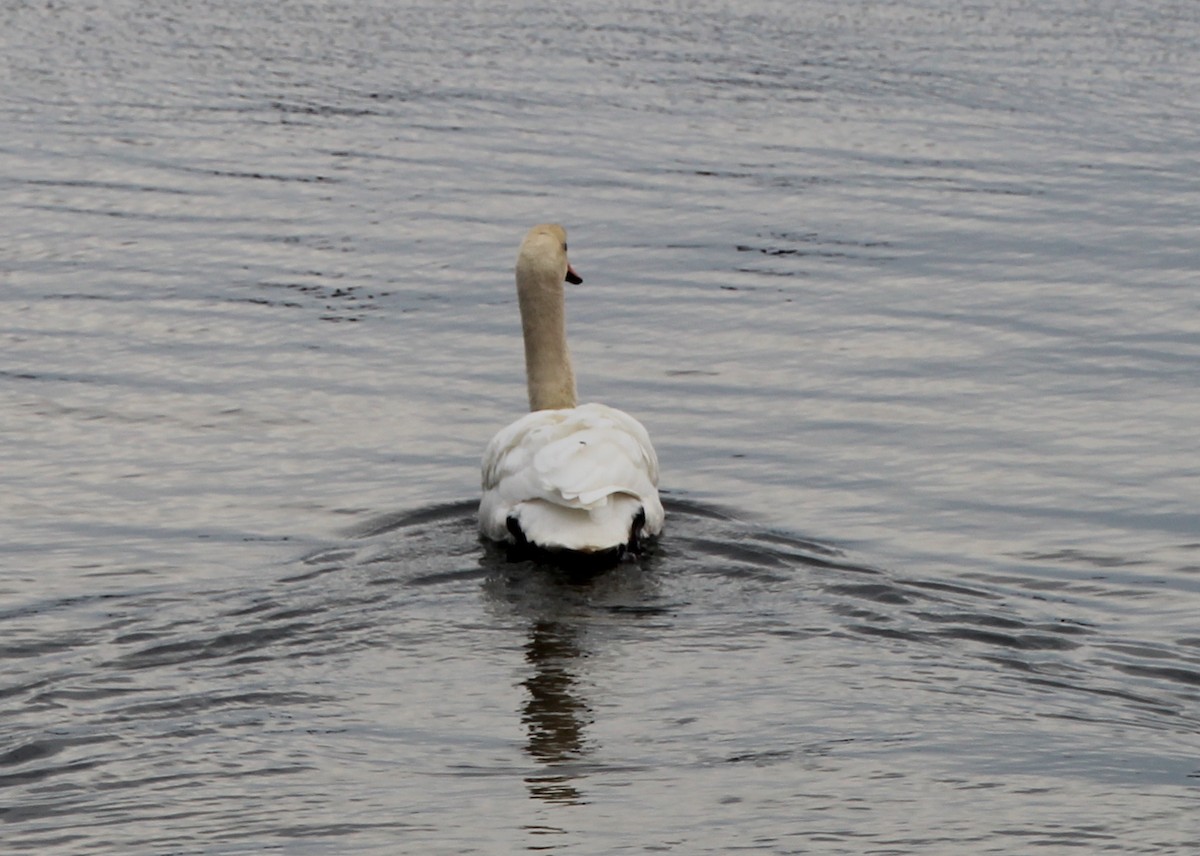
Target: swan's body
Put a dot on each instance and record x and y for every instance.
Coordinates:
(565, 478)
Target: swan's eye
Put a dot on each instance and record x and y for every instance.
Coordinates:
(564, 246)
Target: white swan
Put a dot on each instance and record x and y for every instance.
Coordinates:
(584, 478)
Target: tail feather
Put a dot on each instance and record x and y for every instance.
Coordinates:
(615, 525)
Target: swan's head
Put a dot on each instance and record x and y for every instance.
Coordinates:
(544, 251)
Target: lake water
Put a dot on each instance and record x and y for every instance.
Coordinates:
(906, 294)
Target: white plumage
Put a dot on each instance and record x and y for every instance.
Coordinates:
(573, 479)
(565, 477)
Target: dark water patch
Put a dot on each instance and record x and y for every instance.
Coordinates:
(266, 605)
(301, 178)
(798, 546)
(329, 560)
(26, 687)
(1187, 677)
(338, 831)
(192, 704)
(763, 758)
(816, 245)
(323, 110)
(1154, 705)
(94, 184)
(26, 777)
(878, 592)
(640, 609)
(719, 554)
(468, 574)
(882, 631)
(35, 750)
(54, 643)
(336, 302)
(1082, 557)
(459, 511)
(1022, 641)
(976, 618)
(88, 688)
(220, 646)
(81, 212)
(1151, 652)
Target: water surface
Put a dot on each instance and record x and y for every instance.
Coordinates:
(904, 293)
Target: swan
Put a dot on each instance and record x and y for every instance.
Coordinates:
(566, 479)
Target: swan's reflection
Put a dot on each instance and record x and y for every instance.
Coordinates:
(567, 618)
(555, 714)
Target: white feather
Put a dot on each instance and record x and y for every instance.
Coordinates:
(574, 479)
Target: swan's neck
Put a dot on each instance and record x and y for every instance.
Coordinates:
(543, 320)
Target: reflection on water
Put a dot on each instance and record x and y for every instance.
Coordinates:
(556, 713)
(561, 609)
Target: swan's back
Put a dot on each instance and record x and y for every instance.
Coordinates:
(583, 479)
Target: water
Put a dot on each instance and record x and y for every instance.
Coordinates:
(905, 293)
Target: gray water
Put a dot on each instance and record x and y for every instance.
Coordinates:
(906, 294)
